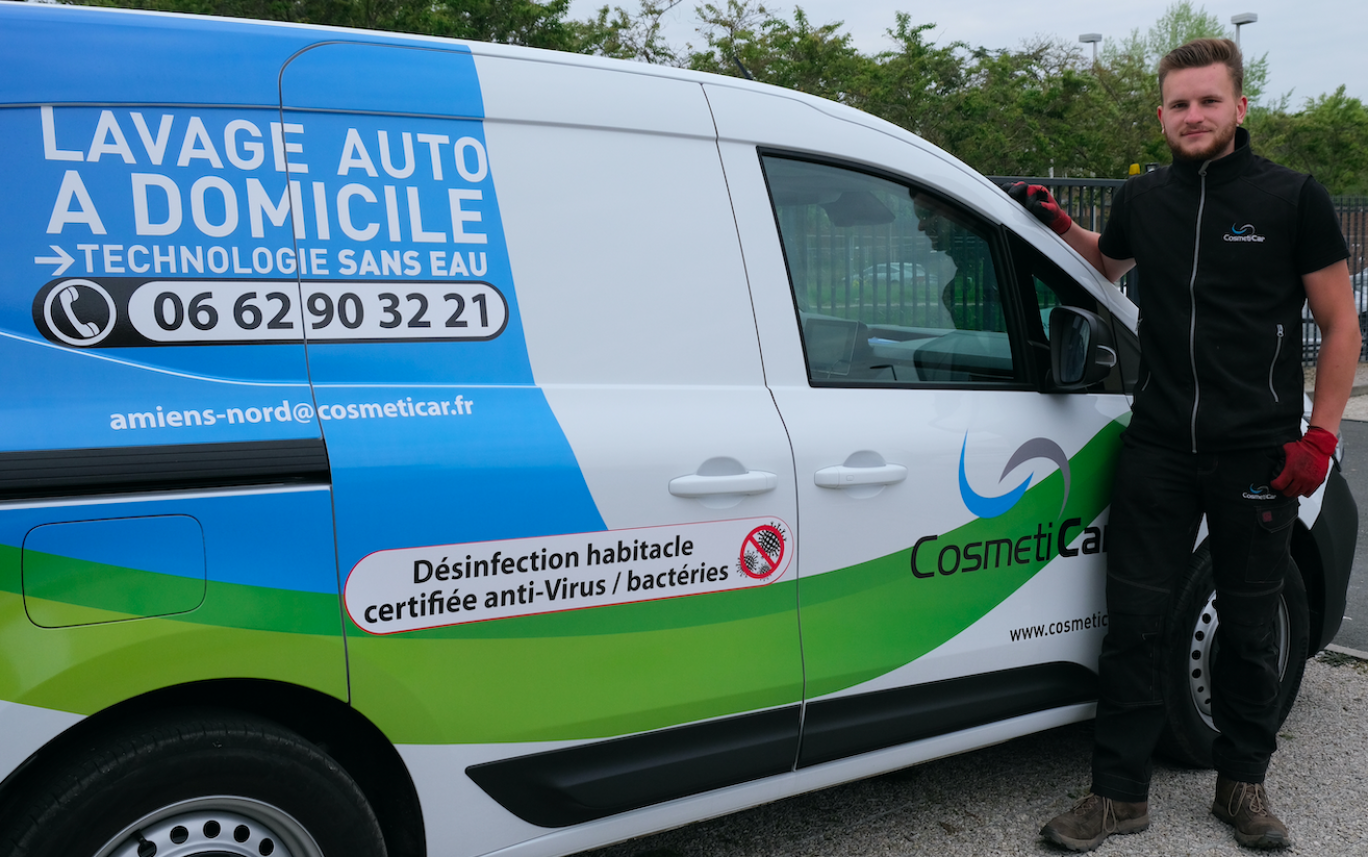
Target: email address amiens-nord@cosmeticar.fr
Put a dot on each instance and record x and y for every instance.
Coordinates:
(285, 412)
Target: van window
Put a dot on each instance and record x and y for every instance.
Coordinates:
(892, 285)
(1046, 287)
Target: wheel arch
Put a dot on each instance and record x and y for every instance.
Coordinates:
(1306, 553)
(1325, 554)
(339, 730)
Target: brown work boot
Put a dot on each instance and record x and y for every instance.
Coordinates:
(1093, 819)
(1245, 807)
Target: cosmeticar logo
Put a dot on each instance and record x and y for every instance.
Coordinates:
(1243, 234)
(992, 507)
(1021, 539)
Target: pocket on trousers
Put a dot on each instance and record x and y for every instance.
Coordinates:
(1128, 669)
(1270, 542)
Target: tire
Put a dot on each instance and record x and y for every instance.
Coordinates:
(192, 783)
(1189, 732)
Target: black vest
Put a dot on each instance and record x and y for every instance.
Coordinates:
(1220, 310)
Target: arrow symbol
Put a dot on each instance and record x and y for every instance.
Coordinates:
(61, 260)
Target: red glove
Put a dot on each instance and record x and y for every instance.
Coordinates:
(1037, 200)
(1308, 462)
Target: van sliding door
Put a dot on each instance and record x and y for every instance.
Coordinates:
(538, 377)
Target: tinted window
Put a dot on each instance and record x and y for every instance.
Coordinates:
(892, 285)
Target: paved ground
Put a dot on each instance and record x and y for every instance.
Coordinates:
(1358, 405)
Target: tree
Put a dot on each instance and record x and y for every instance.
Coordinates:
(1328, 138)
(618, 34)
(793, 54)
(1025, 112)
(519, 22)
(1181, 23)
(912, 85)
(1039, 108)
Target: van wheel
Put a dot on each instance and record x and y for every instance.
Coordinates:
(204, 783)
(1190, 731)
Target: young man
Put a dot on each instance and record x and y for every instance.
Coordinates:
(1228, 245)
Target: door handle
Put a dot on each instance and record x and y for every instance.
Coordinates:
(749, 482)
(844, 476)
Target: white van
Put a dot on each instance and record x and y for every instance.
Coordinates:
(418, 447)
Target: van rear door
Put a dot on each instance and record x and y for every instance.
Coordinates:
(164, 505)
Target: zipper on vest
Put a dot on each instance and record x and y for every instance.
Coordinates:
(1276, 351)
(1192, 297)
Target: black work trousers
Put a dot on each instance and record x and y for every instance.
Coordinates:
(1158, 500)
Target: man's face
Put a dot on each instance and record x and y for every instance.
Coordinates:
(930, 223)
(1200, 112)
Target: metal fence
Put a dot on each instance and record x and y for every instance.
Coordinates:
(1088, 201)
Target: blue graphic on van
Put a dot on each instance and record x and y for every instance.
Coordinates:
(991, 507)
(168, 264)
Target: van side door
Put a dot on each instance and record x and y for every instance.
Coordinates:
(949, 506)
(563, 495)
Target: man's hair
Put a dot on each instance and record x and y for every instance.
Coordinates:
(1200, 53)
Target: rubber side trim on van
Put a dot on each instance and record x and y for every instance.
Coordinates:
(559, 788)
(850, 725)
(564, 787)
(78, 472)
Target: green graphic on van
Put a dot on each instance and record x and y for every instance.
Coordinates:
(862, 612)
(608, 671)
(634, 667)
(109, 648)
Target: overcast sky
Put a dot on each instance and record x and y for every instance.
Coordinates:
(1313, 46)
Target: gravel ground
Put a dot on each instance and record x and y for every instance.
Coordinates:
(993, 801)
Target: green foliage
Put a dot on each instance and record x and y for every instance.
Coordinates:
(911, 84)
(519, 22)
(1327, 139)
(1179, 24)
(792, 54)
(1036, 109)
(618, 34)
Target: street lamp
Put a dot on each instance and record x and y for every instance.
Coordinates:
(1093, 39)
(1240, 20)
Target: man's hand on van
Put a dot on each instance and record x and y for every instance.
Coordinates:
(1308, 462)
(1038, 200)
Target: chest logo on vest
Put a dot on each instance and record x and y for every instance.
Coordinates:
(1246, 234)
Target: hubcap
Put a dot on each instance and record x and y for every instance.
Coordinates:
(214, 827)
(1202, 650)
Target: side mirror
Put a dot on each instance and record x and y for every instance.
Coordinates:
(1081, 348)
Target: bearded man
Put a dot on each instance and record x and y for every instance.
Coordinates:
(1228, 246)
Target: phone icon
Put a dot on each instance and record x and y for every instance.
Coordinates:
(82, 327)
(68, 297)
